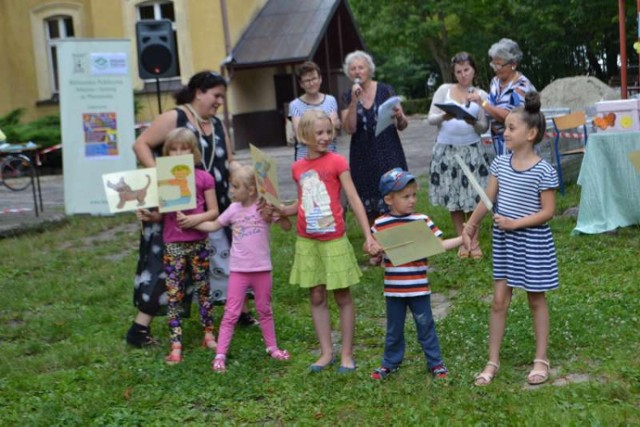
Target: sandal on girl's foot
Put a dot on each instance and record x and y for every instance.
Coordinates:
(485, 378)
(209, 341)
(476, 253)
(278, 354)
(347, 369)
(463, 253)
(175, 356)
(219, 363)
(539, 376)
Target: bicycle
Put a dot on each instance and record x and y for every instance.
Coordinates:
(16, 171)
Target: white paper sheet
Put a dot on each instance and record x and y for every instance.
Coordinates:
(385, 114)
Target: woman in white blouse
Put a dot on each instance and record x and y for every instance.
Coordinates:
(449, 187)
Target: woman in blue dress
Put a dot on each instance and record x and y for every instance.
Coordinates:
(370, 156)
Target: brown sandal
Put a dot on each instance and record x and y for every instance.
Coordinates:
(476, 253)
(463, 253)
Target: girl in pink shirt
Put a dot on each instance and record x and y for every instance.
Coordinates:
(324, 259)
(185, 246)
(250, 265)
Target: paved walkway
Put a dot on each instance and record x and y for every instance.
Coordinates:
(17, 212)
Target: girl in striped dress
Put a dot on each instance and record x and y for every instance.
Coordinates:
(522, 186)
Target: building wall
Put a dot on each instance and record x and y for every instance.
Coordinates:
(24, 81)
(253, 90)
(21, 55)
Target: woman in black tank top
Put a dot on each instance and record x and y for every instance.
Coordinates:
(198, 103)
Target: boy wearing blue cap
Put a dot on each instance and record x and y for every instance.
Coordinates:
(407, 285)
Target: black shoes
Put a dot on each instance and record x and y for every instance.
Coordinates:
(246, 319)
(140, 336)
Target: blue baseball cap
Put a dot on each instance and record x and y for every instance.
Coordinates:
(394, 180)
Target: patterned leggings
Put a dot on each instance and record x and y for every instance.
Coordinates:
(178, 257)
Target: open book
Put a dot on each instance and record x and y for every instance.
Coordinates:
(456, 111)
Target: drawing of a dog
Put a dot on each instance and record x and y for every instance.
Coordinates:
(126, 194)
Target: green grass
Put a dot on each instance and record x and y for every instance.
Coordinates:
(67, 304)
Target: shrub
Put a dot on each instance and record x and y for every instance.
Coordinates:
(416, 106)
(44, 131)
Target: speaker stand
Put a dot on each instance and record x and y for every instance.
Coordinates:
(158, 95)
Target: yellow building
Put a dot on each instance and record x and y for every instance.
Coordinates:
(230, 36)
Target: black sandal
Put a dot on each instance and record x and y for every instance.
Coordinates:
(140, 336)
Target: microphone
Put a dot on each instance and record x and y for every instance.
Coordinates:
(469, 91)
(358, 82)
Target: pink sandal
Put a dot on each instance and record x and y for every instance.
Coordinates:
(209, 341)
(219, 363)
(278, 354)
(175, 356)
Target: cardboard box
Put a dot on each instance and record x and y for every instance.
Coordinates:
(621, 115)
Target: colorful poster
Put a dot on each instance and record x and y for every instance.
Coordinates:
(131, 190)
(100, 134)
(96, 119)
(176, 183)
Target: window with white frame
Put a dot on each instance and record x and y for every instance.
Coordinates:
(56, 28)
(160, 10)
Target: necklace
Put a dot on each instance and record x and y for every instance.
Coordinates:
(195, 114)
(203, 142)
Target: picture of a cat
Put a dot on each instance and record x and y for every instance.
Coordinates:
(127, 194)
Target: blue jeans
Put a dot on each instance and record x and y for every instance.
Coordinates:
(394, 343)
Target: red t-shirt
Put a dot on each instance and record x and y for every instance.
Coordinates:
(319, 207)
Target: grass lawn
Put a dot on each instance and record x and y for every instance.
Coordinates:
(67, 305)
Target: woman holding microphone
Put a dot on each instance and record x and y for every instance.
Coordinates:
(370, 156)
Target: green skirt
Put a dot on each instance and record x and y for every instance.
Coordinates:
(331, 263)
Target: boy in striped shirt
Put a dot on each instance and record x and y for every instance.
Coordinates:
(407, 285)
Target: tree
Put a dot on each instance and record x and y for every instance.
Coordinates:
(411, 38)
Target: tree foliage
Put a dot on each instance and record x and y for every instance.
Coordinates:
(410, 39)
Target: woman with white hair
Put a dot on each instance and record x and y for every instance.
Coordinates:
(370, 156)
(507, 88)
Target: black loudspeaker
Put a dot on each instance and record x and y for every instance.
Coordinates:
(156, 49)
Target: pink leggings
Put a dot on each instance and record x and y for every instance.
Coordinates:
(260, 282)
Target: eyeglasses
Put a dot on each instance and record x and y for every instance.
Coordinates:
(311, 80)
(497, 67)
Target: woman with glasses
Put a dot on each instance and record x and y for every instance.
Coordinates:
(507, 88)
(449, 187)
(310, 81)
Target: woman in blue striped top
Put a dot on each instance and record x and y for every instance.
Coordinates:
(522, 186)
(506, 91)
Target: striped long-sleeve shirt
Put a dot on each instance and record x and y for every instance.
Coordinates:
(410, 279)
